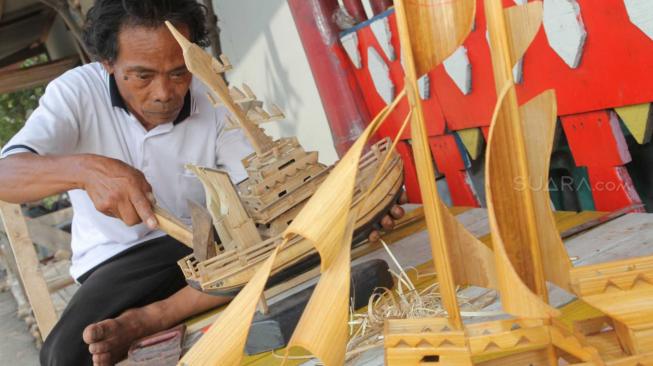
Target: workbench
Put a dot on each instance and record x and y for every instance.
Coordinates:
(627, 236)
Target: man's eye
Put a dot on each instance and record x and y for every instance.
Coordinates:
(144, 76)
(179, 74)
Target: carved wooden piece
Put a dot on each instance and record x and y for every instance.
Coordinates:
(624, 291)
(411, 342)
(232, 219)
(203, 243)
(539, 118)
(332, 242)
(225, 340)
(172, 226)
(526, 341)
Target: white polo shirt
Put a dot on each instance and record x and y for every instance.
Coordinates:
(82, 112)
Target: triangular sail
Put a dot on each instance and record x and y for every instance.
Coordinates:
(517, 297)
(510, 204)
(539, 117)
(526, 244)
(447, 24)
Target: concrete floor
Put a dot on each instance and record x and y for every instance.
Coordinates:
(17, 345)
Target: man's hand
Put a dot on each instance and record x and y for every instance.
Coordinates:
(118, 190)
(388, 221)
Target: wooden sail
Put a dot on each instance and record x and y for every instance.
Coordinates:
(224, 342)
(438, 28)
(510, 206)
(448, 24)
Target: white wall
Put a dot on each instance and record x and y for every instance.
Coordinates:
(261, 40)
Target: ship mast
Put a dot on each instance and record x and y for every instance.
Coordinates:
(205, 67)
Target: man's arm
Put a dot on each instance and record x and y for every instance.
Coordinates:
(115, 188)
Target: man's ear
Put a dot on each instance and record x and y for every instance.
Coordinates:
(108, 66)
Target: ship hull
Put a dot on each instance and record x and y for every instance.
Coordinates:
(226, 273)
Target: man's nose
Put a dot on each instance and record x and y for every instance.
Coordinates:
(163, 90)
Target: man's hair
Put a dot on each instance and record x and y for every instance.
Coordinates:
(108, 17)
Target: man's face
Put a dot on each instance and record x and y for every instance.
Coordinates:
(150, 73)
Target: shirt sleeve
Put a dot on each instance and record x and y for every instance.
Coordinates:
(231, 148)
(53, 127)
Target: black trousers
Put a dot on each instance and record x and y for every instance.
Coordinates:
(141, 275)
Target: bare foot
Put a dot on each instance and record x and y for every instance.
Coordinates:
(109, 340)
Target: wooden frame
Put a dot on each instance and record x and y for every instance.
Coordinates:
(27, 262)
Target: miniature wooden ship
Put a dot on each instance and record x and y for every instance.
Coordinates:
(250, 217)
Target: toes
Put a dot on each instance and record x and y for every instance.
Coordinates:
(102, 359)
(99, 348)
(387, 223)
(93, 333)
(374, 236)
(99, 331)
(397, 212)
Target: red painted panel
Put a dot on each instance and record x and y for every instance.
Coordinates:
(432, 112)
(596, 139)
(446, 153)
(410, 173)
(612, 188)
(461, 189)
(614, 70)
(448, 159)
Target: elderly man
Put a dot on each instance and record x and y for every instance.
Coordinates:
(116, 134)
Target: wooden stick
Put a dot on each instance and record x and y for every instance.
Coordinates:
(173, 227)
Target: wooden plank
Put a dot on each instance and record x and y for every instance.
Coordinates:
(46, 236)
(11, 81)
(626, 237)
(28, 267)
